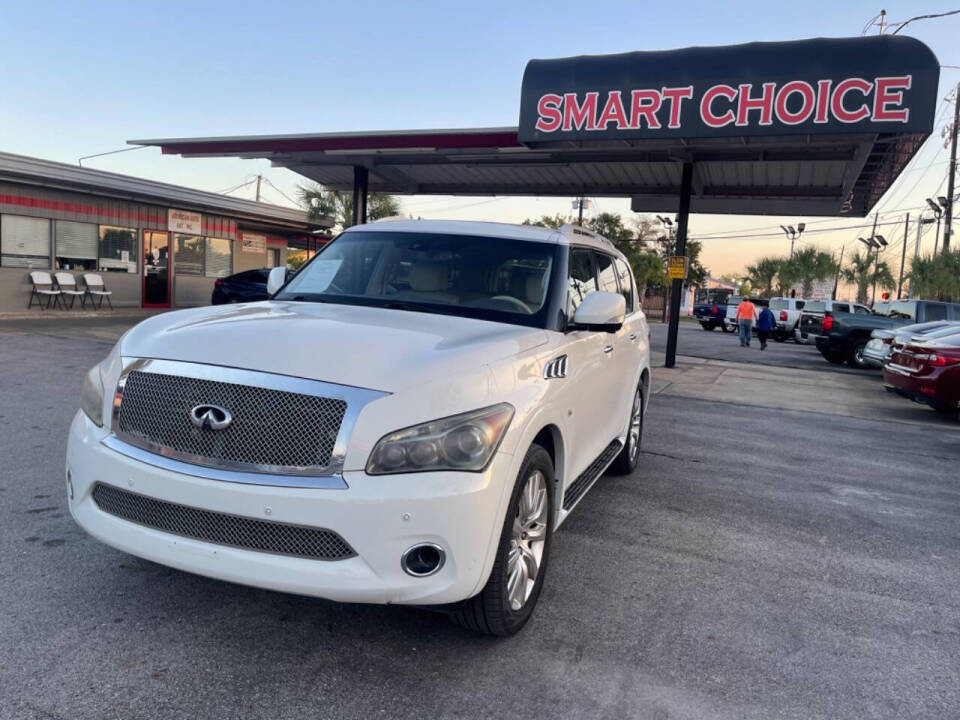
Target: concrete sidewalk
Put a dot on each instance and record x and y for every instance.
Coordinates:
(847, 395)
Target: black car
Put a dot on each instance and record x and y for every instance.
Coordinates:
(247, 286)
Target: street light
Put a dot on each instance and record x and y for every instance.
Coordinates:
(937, 213)
(793, 234)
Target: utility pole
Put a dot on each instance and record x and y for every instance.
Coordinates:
(580, 211)
(903, 254)
(259, 180)
(948, 223)
(836, 280)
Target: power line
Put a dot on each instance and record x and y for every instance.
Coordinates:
(902, 25)
(270, 183)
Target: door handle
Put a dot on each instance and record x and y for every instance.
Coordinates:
(608, 349)
(632, 336)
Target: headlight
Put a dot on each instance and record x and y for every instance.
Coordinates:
(91, 397)
(461, 442)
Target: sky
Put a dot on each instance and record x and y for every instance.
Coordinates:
(84, 80)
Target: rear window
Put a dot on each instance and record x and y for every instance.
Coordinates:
(898, 309)
(840, 307)
(800, 304)
(816, 307)
(936, 311)
(778, 304)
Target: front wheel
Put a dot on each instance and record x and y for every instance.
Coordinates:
(626, 462)
(507, 600)
(723, 326)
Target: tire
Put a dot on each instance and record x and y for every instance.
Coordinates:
(708, 326)
(855, 357)
(493, 611)
(833, 357)
(628, 458)
(723, 326)
(780, 337)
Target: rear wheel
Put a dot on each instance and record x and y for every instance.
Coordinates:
(780, 336)
(626, 461)
(507, 600)
(723, 326)
(855, 358)
(708, 326)
(832, 356)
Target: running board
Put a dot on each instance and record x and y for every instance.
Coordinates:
(589, 476)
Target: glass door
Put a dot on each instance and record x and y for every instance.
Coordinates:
(156, 269)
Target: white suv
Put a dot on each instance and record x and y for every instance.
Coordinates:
(406, 421)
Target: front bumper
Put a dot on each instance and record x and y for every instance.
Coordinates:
(380, 517)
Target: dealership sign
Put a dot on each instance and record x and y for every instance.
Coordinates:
(863, 85)
(184, 221)
(251, 243)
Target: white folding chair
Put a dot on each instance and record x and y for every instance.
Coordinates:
(96, 289)
(43, 288)
(67, 285)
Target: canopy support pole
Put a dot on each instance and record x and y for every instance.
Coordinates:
(676, 286)
(361, 186)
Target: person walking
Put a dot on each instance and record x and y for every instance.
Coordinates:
(765, 323)
(746, 317)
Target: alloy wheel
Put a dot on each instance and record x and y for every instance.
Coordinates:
(527, 541)
(636, 417)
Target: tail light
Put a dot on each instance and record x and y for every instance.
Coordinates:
(783, 316)
(218, 282)
(936, 360)
(827, 322)
(716, 310)
(888, 341)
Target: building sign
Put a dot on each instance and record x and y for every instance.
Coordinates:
(254, 244)
(850, 85)
(185, 222)
(677, 268)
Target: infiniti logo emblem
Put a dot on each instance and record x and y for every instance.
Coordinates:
(213, 417)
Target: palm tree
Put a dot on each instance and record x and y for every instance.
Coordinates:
(936, 276)
(863, 271)
(762, 274)
(339, 205)
(648, 269)
(808, 266)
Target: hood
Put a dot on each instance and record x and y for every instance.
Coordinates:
(376, 348)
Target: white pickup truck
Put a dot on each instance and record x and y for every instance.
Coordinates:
(407, 420)
(786, 312)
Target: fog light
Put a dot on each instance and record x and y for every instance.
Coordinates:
(423, 560)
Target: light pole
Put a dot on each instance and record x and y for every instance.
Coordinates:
(793, 234)
(937, 213)
(668, 228)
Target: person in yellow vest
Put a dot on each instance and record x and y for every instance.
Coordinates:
(746, 317)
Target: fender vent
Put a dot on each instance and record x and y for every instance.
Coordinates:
(556, 368)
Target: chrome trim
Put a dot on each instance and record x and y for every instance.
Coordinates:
(440, 550)
(356, 399)
(556, 368)
(900, 369)
(210, 416)
(320, 482)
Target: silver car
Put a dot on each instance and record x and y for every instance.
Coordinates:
(878, 349)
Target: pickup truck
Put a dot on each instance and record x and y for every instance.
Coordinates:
(811, 317)
(393, 425)
(843, 336)
(711, 311)
(786, 312)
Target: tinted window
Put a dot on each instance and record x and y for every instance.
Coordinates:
(840, 307)
(800, 304)
(902, 309)
(816, 307)
(779, 304)
(861, 310)
(935, 311)
(583, 280)
(626, 283)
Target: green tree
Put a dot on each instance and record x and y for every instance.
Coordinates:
(611, 226)
(648, 269)
(548, 221)
(808, 266)
(864, 271)
(763, 273)
(339, 205)
(936, 276)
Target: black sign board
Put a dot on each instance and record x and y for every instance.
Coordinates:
(880, 84)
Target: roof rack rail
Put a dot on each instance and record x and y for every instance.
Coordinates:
(574, 229)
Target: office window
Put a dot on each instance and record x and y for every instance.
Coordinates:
(24, 242)
(118, 249)
(188, 254)
(75, 245)
(219, 260)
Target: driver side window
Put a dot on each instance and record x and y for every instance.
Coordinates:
(582, 280)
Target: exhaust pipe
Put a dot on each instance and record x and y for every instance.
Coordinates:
(423, 560)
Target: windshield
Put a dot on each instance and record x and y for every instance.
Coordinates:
(482, 277)
(815, 307)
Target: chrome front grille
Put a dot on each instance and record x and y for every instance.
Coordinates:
(272, 431)
(222, 528)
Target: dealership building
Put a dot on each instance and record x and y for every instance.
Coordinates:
(154, 244)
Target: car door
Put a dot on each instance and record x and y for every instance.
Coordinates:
(634, 337)
(590, 377)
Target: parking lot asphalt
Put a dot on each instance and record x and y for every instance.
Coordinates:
(761, 563)
(694, 341)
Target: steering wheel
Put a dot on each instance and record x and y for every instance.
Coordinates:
(519, 304)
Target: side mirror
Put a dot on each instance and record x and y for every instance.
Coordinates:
(600, 311)
(276, 280)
